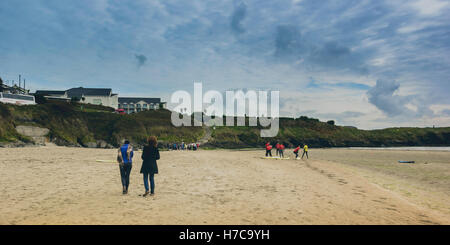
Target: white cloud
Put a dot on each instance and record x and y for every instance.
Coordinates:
(439, 108)
(430, 7)
(417, 26)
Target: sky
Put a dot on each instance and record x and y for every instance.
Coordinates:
(369, 64)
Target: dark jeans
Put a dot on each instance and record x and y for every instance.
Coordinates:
(125, 171)
(296, 154)
(305, 152)
(268, 152)
(281, 152)
(152, 182)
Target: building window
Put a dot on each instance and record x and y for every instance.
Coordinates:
(97, 101)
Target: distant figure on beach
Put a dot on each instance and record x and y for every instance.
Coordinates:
(125, 156)
(277, 147)
(281, 150)
(305, 151)
(268, 149)
(296, 151)
(149, 168)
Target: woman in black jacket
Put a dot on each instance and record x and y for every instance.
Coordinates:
(149, 167)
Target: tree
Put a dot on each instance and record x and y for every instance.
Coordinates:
(331, 122)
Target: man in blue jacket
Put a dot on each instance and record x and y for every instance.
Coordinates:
(125, 156)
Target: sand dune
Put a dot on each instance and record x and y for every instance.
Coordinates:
(58, 185)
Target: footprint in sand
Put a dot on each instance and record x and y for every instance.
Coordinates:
(377, 201)
(392, 209)
(342, 181)
(358, 193)
(428, 222)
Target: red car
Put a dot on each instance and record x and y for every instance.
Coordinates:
(120, 111)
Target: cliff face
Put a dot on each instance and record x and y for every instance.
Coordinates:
(88, 126)
(38, 135)
(95, 126)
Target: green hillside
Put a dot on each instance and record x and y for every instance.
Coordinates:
(72, 124)
(311, 131)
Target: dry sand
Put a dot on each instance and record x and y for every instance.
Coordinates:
(58, 185)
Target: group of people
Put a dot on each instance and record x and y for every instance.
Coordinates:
(150, 154)
(280, 150)
(149, 167)
(183, 146)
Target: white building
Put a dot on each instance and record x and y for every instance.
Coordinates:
(17, 99)
(135, 104)
(96, 96)
(15, 95)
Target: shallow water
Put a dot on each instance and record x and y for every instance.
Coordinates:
(406, 148)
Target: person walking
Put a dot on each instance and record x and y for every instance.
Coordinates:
(281, 150)
(305, 151)
(296, 151)
(125, 157)
(268, 149)
(149, 168)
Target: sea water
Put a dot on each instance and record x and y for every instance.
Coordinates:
(406, 148)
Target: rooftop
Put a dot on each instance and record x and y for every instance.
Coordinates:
(80, 92)
(130, 100)
(50, 92)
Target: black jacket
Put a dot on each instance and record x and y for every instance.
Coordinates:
(149, 156)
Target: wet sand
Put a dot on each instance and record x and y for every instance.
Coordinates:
(59, 185)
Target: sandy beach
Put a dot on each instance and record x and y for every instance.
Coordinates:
(61, 185)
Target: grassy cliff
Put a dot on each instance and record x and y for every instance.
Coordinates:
(87, 125)
(311, 131)
(73, 124)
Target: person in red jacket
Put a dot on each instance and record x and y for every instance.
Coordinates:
(296, 151)
(277, 146)
(268, 149)
(281, 150)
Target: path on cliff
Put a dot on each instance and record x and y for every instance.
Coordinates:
(207, 136)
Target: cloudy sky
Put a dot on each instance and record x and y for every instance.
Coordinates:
(371, 64)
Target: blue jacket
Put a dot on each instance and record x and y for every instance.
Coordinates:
(123, 150)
